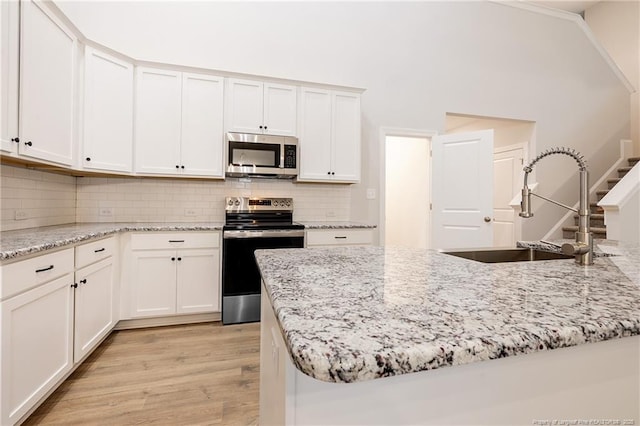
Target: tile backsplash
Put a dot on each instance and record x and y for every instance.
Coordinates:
(30, 198)
(186, 200)
(45, 198)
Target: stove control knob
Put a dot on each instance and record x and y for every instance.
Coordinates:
(237, 202)
(230, 203)
(276, 203)
(288, 203)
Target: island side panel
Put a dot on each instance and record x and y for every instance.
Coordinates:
(591, 381)
(277, 386)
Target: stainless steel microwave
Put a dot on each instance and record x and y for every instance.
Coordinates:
(268, 156)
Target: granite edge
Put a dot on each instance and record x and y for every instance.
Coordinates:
(92, 235)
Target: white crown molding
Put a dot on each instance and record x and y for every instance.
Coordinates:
(578, 20)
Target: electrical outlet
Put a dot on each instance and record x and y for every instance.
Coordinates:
(371, 194)
(190, 212)
(21, 215)
(106, 211)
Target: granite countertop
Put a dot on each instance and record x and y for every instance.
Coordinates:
(351, 314)
(22, 242)
(336, 225)
(14, 244)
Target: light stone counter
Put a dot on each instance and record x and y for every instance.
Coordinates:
(353, 314)
(336, 225)
(14, 244)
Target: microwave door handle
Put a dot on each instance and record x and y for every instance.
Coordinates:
(282, 151)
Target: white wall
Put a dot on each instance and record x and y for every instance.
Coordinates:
(417, 60)
(407, 183)
(505, 132)
(616, 24)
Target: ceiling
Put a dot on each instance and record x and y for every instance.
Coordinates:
(575, 6)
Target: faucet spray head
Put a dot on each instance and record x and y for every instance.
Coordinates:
(525, 204)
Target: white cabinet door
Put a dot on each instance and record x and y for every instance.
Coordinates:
(94, 306)
(47, 85)
(37, 345)
(108, 112)
(346, 137)
(9, 71)
(329, 136)
(202, 146)
(153, 283)
(280, 109)
(244, 108)
(158, 121)
(263, 108)
(315, 135)
(198, 281)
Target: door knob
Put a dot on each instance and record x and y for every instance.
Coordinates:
(487, 219)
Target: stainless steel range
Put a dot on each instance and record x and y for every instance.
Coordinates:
(251, 224)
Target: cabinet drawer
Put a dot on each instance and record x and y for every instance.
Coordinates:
(339, 237)
(175, 240)
(89, 253)
(20, 276)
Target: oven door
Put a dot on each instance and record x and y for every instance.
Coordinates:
(240, 274)
(254, 158)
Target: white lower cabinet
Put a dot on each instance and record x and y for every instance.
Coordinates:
(95, 296)
(339, 237)
(174, 274)
(94, 306)
(196, 282)
(50, 321)
(37, 345)
(153, 283)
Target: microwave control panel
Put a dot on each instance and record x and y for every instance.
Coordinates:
(290, 156)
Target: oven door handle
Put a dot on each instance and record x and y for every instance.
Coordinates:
(272, 233)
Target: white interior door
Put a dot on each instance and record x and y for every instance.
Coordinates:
(462, 190)
(507, 181)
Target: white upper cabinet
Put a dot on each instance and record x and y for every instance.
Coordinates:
(108, 112)
(329, 136)
(315, 135)
(202, 145)
(280, 109)
(262, 108)
(47, 85)
(158, 121)
(9, 35)
(178, 126)
(345, 162)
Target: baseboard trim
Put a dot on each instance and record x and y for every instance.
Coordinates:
(164, 321)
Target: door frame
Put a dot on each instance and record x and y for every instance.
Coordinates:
(515, 202)
(399, 132)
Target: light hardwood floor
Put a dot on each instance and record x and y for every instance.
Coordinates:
(202, 374)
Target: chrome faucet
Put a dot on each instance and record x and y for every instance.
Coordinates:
(582, 249)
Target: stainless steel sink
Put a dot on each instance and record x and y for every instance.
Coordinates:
(491, 255)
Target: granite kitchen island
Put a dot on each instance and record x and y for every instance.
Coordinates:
(371, 335)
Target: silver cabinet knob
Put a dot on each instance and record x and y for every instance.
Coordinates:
(487, 219)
